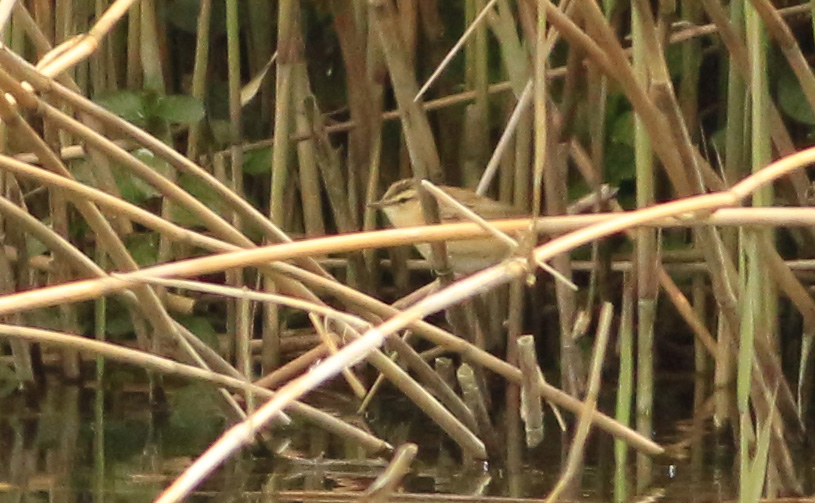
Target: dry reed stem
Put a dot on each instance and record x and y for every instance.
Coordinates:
(13, 62)
(454, 50)
(76, 49)
(678, 36)
(246, 293)
(151, 306)
(170, 367)
(56, 243)
(472, 354)
(383, 488)
(531, 409)
(575, 456)
(680, 214)
(521, 107)
(152, 221)
(783, 276)
(329, 340)
(456, 292)
(476, 403)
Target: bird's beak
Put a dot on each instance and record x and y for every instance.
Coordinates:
(376, 205)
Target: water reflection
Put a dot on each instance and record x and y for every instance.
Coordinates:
(69, 443)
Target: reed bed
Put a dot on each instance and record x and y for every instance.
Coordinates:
(148, 179)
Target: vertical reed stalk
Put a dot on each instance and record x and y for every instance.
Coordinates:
(243, 350)
(734, 161)
(749, 313)
(418, 135)
(531, 407)
(691, 66)
(523, 162)
(260, 47)
(133, 75)
(625, 387)
(289, 51)
(512, 403)
(374, 74)
(62, 273)
(151, 57)
(199, 72)
(243, 325)
(97, 61)
(361, 140)
(20, 350)
(759, 293)
(99, 331)
(310, 188)
(506, 167)
(647, 260)
(475, 138)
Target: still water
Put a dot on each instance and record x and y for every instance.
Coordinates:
(127, 442)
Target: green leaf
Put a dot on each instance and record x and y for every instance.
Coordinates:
(622, 129)
(258, 162)
(118, 324)
(143, 247)
(34, 247)
(133, 188)
(82, 170)
(179, 109)
(148, 157)
(619, 160)
(221, 132)
(201, 327)
(673, 56)
(792, 100)
(250, 90)
(129, 105)
(202, 192)
(619, 163)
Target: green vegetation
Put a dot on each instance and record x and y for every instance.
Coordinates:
(241, 144)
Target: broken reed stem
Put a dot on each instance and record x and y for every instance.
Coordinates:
(444, 367)
(531, 409)
(170, 367)
(382, 489)
(590, 405)
(475, 401)
(455, 293)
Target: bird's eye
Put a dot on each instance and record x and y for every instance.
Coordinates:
(403, 200)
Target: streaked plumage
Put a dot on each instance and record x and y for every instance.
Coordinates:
(402, 207)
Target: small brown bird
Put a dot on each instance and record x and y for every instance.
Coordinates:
(403, 208)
